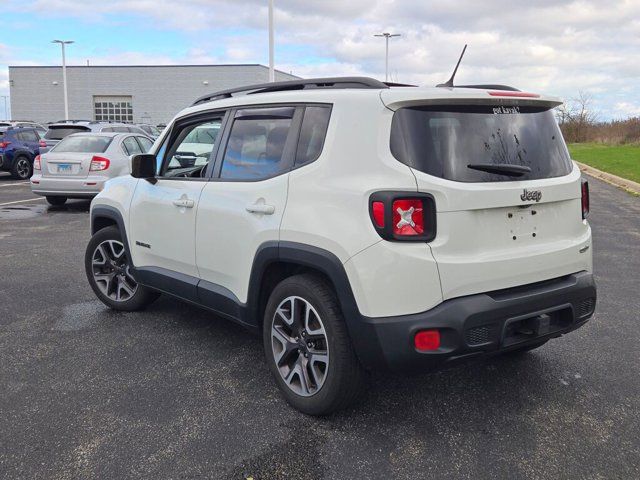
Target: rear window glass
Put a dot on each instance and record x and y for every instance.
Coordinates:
(83, 144)
(444, 140)
(58, 133)
(312, 133)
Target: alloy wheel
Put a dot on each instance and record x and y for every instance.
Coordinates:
(111, 271)
(300, 347)
(23, 168)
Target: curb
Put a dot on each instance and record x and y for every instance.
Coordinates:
(628, 185)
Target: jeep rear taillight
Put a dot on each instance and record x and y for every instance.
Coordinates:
(403, 216)
(585, 198)
(42, 144)
(99, 164)
(4, 144)
(407, 217)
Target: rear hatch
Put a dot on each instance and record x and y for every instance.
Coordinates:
(72, 156)
(55, 133)
(508, 196)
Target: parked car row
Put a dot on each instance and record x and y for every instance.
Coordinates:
(19, 146)
(23, 123)
(22, 141)
(79, 164)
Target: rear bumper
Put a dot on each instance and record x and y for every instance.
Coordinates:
(479, 325)
(6, 162)
(87, 187)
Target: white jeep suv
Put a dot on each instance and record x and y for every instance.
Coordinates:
(357, 226)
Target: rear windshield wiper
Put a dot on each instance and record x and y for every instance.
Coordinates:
(501, 169)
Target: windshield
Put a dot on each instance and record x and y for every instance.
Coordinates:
(205, 134)
(83, 144)
(444, 140)
(58, 133)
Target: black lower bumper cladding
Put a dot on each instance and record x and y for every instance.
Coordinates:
(481, 324)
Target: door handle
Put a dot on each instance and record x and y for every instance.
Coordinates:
(261, 208)
(184, 203)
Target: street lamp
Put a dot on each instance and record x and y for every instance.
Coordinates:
(272, 72)
(64, 76)
(386, 36)
(6, 110)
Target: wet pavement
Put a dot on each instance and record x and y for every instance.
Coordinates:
(174, 392)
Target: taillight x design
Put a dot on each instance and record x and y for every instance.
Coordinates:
(403, 216)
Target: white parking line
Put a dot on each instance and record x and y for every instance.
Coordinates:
(22, 201)
(14, 184)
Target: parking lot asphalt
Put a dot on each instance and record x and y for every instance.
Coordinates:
(174, 392)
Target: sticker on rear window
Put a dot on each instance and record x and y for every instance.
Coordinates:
(501, 110)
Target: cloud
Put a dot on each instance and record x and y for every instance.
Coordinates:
(557, 46)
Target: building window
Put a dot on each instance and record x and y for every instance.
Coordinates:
(113, 109)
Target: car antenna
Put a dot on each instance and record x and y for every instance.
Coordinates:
(449, 83)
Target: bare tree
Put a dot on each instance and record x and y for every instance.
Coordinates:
(577, 117)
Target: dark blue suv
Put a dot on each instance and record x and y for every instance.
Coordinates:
(19, 146)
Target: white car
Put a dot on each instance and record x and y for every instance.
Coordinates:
(79, 165)
(357, 226)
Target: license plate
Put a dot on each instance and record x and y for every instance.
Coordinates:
(64, 168)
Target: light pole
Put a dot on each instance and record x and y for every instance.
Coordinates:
(386, 36)
(6, 110)
(272, 72)
(64, 75)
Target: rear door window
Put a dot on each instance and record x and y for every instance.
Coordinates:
(145, 144)
(28, 136)
(444, 140)
(130, 146)
(257, 142)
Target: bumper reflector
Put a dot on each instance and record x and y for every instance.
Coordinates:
(427, 340)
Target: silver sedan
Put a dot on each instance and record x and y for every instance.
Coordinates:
(80, 164)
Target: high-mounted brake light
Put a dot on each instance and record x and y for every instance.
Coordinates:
(403, 216)
(585, 198)
(36, 163)
(99, 164)
(508, 93)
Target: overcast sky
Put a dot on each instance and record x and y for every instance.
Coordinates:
(552, 46)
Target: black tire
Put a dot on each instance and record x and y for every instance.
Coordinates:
(140, 297)
(344, 378)
(56, 201)
(22, 168)
(525, 349)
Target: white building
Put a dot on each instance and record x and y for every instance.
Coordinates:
(147, 94)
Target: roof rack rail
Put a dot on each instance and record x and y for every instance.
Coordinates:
(310, 83)
(490, 86)
(72, 121)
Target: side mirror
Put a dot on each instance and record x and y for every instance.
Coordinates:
(143, 165)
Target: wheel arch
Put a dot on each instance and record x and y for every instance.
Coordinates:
(275, 261)
(104, 216)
